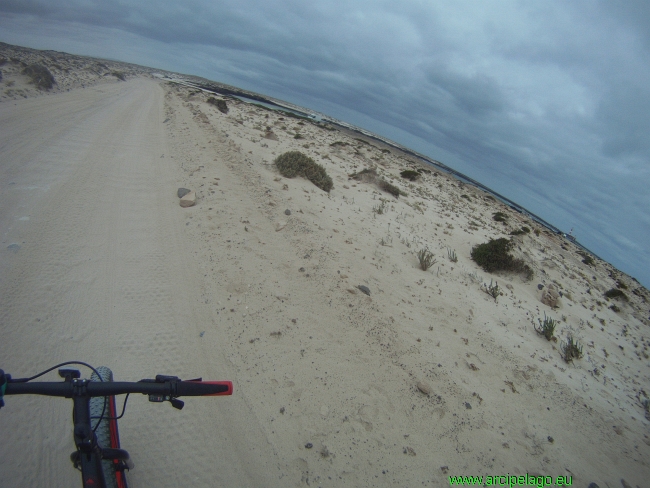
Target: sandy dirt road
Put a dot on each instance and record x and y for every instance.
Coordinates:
(94, 267)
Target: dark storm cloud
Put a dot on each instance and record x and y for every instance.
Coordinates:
(546, 102)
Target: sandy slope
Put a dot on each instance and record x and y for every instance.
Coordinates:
(98, 262)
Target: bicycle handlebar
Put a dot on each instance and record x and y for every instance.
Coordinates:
(166, 386)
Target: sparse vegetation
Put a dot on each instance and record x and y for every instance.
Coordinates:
(370, 175)
(546, 328)
(295, 163)
(616, 293)
(493, 290)
(380, 209)
(297, 136)
(499, 217)
(221, 105)
(426, 259)
(40, 76)
(519, 232)
(119, 75)
(495, 256)
(571, 349)
(410, 174)
(390, 188)
(451, 254)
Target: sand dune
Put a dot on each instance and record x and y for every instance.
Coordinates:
(426, 377)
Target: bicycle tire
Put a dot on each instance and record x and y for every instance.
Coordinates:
(113, 478)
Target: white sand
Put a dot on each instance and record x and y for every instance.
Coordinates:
(111, 270)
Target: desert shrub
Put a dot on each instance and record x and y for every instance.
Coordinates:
(390, 188)
(221, 105)
(499, 217)
(621, 285)
(546, 328)
(410, 174)
(493, 290)
(616, 293)
(451, 254)
(426, 259)
(571, 349)
(466, 197)
(295, 163)
(119, 75)
(297, 136)
(40, 76)
(495, 256)
(366, 174)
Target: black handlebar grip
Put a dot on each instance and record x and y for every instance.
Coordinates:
(203, 388)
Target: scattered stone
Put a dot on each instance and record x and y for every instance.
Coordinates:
(182, 192)
(302, 270)
(280, 225)
(188, 200)
(444, 469)
(468, 406)
(618, 430)
(409, 450)
(287, 212)
(324, 452)
(309, 445)
(352, 290)
(201, 334)
(282, 410)
(625, 484)
(364, 289)
(540, 286)
(550, 296)
(423, 387)
(593, 485)
(344, 276)
(550, 439)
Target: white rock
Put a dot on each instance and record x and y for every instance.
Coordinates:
(280, 225)
(188, 200)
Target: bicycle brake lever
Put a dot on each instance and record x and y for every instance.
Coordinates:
(176, 403)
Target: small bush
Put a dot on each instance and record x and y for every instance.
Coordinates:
(495, 256)
(426, 259)
(410, 174)
(616, 293)
(40, 76)
(451, 254)
(295, 163)
(493, 290)
(221, 105)
(571, 350)
(392, 189)
(499, 217)
(119, 75)
(297, 136)
(546, 328)
(380, 209)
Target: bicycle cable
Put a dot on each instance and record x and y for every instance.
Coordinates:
(121, 415)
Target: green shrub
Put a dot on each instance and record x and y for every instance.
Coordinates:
(499, 217)
(451, 254)
(392, 189)
(571, 350)
(426, 259)
(495, 256)
(40, 76)
(410, 174)
(546, 328)
(295, 163)
(616, 293)
(493, 290)
(221, 105)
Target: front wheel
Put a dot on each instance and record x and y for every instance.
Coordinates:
(107, 433)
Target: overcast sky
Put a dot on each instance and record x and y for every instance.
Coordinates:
(546, 102)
